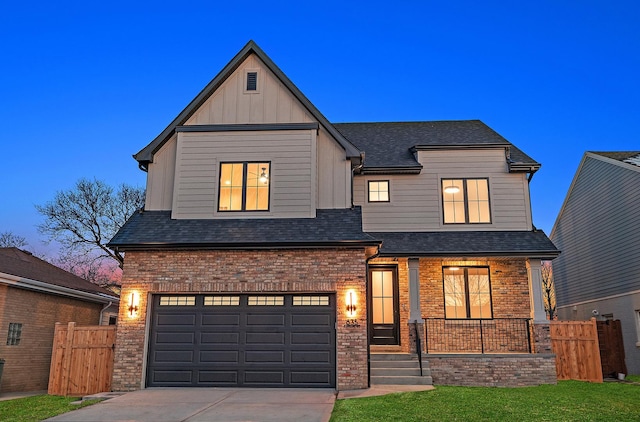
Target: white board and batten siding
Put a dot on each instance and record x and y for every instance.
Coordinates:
(416, 200)
(309, 168)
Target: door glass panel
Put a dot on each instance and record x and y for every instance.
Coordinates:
(382, 294)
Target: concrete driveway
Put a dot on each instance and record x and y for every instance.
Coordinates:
(210, 404)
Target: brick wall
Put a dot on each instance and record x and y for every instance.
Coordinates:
(287, 271)
(517, 370)
(27, 364)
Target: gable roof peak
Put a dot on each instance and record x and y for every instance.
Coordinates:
(145, 156)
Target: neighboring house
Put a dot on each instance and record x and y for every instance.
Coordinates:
(278, 249)
(34, 295)
(598, 231)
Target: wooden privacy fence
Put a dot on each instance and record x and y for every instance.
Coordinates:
(81, 359)
(575, 344)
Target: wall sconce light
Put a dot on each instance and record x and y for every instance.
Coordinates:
(133, 305)
(352, 300)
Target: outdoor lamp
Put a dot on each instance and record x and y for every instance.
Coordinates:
(133, 305)
(351, 304)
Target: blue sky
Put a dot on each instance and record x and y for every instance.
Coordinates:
(84, 86)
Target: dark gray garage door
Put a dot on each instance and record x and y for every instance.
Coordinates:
(242, 340)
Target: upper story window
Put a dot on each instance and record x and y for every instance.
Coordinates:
(466, 201)
(244, 186)
(379, 191)
(467, 292)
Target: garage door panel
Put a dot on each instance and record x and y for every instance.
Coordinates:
(175, 338)
(178, 356)
(311, 338)
(219, 338)
(306, 320)
(264, 338)
(218, 377)
(220, 356)
(264, 356)
(173, 377)
(231, 320)
(168, 320)
(271, 343)
(304, 357)
(309, 377)
(263, 377)
(265, 319)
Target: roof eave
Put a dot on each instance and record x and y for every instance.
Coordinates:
(245, 246)
(391, 170)
(529, 254)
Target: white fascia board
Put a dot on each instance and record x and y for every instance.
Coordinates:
(39, 286)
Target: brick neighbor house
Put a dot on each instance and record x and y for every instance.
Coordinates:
(278, 249)
(34, 295)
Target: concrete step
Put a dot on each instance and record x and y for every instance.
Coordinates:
(413, 372)
(395, 364)
(392, 356)
(401, 380)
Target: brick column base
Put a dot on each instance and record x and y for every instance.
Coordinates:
(542, 338)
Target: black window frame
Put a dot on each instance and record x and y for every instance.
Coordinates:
(14, 333)
(378, 181)
(466, 199)
(245, 165)
(466, 292)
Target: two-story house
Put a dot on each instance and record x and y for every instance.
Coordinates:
(278, 249)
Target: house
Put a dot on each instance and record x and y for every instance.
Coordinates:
(34, 295)
(278, 249)
(598, 230)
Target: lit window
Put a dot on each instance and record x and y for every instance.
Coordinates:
(14, 334)
(467, 292)
(379, 191)
(177, 301)
(310, 300)
(221, 300)
(466, 201)
(244, 186)
(265, 300)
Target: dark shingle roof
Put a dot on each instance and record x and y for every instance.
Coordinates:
(389, 144)
(156, 229)
(19, 263)
(630, 157)
(481, 243)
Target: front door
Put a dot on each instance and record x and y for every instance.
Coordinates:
(385, 316)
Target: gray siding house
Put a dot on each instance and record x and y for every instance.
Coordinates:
(598, 232)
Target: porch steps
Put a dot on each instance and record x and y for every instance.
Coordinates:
(398, 369)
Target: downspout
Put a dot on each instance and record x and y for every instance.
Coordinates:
(353, 172)
(531, 173)
(104, 309)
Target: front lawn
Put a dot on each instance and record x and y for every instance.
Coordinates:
(37, 408)
(567, 401)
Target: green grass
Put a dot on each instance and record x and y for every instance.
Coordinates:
(37, 408)
(567, 401)
(634, 378)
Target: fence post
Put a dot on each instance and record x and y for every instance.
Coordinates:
(66, 363)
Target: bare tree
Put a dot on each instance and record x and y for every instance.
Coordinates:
(102, 271)
(548, 290)
(85, 218)
(11, 240)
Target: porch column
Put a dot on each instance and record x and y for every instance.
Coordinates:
(534, 271)
(414, 291)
